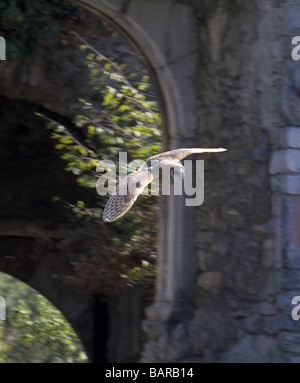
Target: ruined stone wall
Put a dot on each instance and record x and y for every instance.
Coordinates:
(240, 89)
(284, 169)
(248, 260)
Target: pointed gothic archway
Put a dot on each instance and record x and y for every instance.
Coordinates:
(173, 67)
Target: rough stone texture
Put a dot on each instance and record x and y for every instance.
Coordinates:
(286, 183)
(253, 349)
(126, 316)
(290, 137)
(209, 281)
(285, 161)
(290, 343)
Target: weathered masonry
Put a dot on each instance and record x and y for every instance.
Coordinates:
(228, 269)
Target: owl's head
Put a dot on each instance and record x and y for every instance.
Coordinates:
(177, 173)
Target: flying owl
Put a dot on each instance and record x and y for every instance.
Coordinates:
(131, 186)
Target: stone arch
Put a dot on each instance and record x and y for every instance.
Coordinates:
(42, 276)
(31, 234)
(168, 65)
(108, 330)
(43, 289)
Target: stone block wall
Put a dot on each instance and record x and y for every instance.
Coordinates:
(248, 258)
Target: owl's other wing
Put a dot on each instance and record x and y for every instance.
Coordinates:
(125, 194)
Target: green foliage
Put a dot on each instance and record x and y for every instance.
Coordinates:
(119, 118)
(121, 115)
(25, 22)
(144, 272)
(34, 330)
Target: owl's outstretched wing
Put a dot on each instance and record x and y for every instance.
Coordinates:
(125, 194)
(179, 154)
